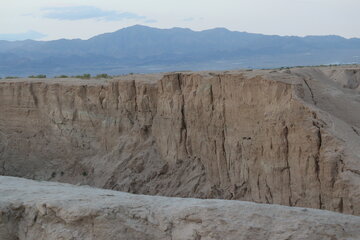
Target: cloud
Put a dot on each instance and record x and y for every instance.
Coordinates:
(21, 36)
(88, 12)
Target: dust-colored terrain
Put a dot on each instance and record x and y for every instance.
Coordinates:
(287, 136)
(41, 210)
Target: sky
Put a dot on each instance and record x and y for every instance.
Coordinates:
(55, 19)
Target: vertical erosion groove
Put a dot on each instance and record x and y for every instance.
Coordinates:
(33, 95)
(224, 173)
(286, 138)
(317, 157)
(311, 91)
(183, 128)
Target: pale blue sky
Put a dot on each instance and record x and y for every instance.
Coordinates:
(53, 19)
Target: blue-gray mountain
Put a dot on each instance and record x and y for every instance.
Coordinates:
(145, 49)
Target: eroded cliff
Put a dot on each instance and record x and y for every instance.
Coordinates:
(263, 136)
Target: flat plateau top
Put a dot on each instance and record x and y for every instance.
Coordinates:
(281, 74)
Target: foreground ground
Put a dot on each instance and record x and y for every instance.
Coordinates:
(35, 210)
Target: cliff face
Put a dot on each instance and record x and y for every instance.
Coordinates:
(255, 136)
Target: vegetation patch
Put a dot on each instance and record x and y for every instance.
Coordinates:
(103, 75)
(61, 76)
(37, 76)
(84, 76)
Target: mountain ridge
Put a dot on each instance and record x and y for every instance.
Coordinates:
(145, 49)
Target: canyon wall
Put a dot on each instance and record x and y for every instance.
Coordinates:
(256, 136)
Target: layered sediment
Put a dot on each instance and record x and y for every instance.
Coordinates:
(287, 137)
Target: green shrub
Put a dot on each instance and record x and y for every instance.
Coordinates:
(11, 77)
(84, 76)
(103, 75)
(62, 76)
(38, 76)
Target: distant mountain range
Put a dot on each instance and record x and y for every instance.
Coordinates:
(145, 49)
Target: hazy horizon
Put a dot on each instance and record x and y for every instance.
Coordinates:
(51, 20)
(33, 35)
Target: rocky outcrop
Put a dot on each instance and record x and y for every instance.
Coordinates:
(262, 136)
(41, 210)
